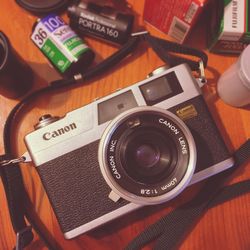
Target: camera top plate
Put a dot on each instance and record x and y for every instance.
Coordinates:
(92, 119)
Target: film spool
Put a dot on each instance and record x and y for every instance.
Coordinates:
(44, 6)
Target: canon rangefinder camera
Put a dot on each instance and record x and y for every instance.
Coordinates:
(141, 145)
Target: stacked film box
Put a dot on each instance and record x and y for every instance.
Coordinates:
(229, 27)
(175, 18)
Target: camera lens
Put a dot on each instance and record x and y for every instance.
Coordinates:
(147, 155)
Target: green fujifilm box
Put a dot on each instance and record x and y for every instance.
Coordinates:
(229, 27)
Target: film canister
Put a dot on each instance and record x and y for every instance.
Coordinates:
(102, 22)
(16, 77)
(61, 45)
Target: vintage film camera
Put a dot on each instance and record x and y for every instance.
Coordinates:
(146, 143)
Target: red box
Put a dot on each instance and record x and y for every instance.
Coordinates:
(172, 17)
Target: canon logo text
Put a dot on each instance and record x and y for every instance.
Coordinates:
(49, 135)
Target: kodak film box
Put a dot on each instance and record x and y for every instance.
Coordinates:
(229, 26)
(172, 17)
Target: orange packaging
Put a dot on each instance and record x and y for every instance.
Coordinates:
(172, 17)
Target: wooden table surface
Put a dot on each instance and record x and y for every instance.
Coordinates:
(224, 227)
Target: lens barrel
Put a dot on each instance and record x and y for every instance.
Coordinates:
(147, 155)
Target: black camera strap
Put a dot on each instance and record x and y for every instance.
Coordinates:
(16, 194)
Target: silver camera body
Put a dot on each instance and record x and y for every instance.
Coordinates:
(73, 154)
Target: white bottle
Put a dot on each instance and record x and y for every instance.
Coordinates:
(234, 85)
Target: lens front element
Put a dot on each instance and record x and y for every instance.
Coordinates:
(147, 155)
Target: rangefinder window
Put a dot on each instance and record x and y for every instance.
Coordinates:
(112, 107)
(161, 89)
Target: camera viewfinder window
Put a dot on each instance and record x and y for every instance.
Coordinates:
(161, 89)
(112, 107)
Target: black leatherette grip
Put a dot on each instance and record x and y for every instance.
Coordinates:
(76, 189)
(210, 146)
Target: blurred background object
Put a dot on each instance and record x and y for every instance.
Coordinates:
(16, 77)
(175, 18)
(234, 84)
(228, 31)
